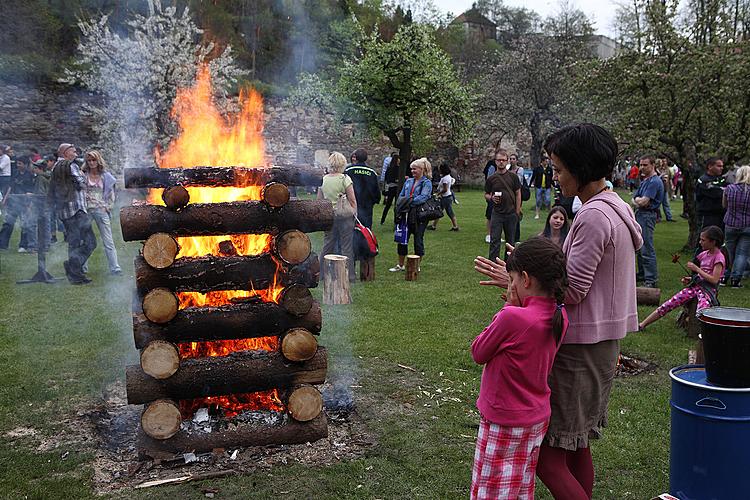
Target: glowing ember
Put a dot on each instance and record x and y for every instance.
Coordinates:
(226, 347)
(234, 404)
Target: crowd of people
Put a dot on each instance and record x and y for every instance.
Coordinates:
(58, 192)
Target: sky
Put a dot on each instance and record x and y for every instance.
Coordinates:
(600, 11)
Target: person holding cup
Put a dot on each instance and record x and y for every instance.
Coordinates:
(503, 191)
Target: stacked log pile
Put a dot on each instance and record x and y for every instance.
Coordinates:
(165, 380)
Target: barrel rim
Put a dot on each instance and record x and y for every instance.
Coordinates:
(673, 376)
(704, 316)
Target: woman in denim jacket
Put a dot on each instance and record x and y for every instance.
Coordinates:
(416, 191)
(100, 197)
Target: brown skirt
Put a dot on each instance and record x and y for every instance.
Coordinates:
(580, 381)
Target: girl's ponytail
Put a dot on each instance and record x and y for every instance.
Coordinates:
(557, 318)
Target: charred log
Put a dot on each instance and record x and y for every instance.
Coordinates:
(292, 175)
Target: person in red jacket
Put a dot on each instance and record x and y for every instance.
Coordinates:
(517, 350)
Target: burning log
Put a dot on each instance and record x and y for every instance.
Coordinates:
(160, 250)
(210, 273)
(161, 419)
(336, 279)
(160, 359)
(243, 320)
(647, 296)
(291, 175)
(216, 219)
(244, 371)
(175, 197)
(298, 344)
(290, 432)
(160, 305)
(275, 194)
(412, 267)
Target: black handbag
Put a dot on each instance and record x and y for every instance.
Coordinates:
(525, 190)
(429, 210)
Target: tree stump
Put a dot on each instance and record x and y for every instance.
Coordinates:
(367, 269)
(336, 280)
(412, 267)
(647, 296)
(688, 320)
(161, 419)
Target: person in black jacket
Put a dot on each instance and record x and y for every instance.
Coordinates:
(367, 192)
(709, 191)
(390, 186)
(541, 179)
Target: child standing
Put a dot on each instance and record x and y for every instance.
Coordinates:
(517, 350)
(702, 285)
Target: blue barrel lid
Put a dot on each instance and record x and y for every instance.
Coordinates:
(695, 375)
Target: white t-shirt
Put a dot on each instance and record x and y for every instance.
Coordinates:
(4, 166)
(446, 181)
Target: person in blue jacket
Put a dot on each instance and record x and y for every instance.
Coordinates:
(416, 191)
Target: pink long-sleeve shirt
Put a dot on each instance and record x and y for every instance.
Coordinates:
(517, 350)
(600, 250)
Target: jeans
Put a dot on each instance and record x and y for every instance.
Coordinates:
(667, 208)
(339, 240)
(15, 209)
(502, 223)
(81, 244)
(542, 198)
(102, 220)
(417, 229)
(647, 254)
(738, 246)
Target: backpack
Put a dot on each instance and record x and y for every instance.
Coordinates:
(368, 235)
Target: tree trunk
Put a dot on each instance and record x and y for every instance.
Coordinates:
(211, 273)
(245, 371)
(238, 217)
(290, 432)
(404, 156)
(336, 279)
(689, 177)
(236, 321)
(535, 129)
(291, 175)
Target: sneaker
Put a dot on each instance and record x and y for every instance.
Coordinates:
(454, 228)
(723, 281)
(736, 283)
(397, 268)
(487, 239)
(649, 284)
(116, 273)
(22, 250)
(536, 216)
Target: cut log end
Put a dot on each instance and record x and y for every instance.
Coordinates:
(293, 247)
(161, 419)
(160, 250)
(647, 296)
(298, 344)
(160, 359)
(412, 267)
(175, 197)
(305, 403)
(336, 280)
(160, 305)
(275, 194)
(296, 299)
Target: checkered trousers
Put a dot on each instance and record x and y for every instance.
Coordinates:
(505, 461)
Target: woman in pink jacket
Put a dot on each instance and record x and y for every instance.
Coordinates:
(600, 250)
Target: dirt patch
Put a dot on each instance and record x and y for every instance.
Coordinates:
(20, 432)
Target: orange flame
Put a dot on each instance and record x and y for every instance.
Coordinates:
(218, 348)
(234, 404)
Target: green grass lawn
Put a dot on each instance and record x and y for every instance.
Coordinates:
(61, 345)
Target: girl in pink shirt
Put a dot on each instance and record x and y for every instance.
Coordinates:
(702, 285)
(517, 350)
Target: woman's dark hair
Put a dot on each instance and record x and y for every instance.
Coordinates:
(24, 159)
(563, 230)
(715, 234)
(445, 168)
(588, 151)
(541, 258)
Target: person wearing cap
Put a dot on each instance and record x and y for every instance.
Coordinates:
(67, 197)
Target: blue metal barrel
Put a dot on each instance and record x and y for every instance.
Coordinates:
(710, 441)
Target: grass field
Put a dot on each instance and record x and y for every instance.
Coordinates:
(60, 345)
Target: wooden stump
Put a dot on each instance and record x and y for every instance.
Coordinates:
(161, 419)
(647, 296)
(688, 320)
(275, 194)
(412, 267)
(298, 344)
(175, 197)
(336, 280)
(160, 250)
(305, 403)
(160, 305)
(367, 269)
(160, 359)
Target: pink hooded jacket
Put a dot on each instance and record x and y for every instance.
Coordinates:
(600, 249)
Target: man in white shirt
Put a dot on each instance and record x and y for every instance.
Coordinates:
(5, 170)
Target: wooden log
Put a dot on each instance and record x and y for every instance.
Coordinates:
(412, 267)
(647, 296)
(305, 403)
(175, 197)
(367, 269)
(160, 359)
(216, 219)
(293, 247)
(243, 320)
(244, 371)
(275, 194)
(205, 274)
(290, 432)
(291, 175)
(160, 305)
(336, 280)
(160, 250)
(161, 419)
(298, 344)
(296, 299)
